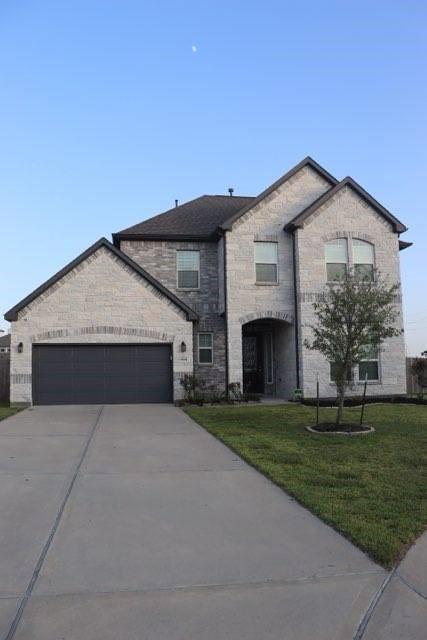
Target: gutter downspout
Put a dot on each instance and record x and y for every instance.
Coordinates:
(226, 314)
(296, 316)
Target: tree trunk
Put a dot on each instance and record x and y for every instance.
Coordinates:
(341, 394)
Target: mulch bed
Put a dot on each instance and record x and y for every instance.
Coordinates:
(351, 428)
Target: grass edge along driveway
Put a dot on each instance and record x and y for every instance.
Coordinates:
(372, 488)
(6, 411)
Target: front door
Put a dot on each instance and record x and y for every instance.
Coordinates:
(253, 363)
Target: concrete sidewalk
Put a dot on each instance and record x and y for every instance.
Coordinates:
(401, 612)
(133, 523)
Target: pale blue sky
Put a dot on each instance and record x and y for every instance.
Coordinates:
(107, 115)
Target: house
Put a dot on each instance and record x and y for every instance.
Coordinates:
(5, 344)
(221, 286)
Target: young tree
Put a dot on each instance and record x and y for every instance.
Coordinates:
(353, 318)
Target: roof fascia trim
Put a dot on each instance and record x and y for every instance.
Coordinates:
(118, 237)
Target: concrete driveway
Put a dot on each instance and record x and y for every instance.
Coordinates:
(133, 523)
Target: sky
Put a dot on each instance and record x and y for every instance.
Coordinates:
(111, 109)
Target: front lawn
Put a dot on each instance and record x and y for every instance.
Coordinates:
(6, 411)
(372, 488)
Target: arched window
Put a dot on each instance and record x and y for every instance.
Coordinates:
(336, 259)
(363, 259)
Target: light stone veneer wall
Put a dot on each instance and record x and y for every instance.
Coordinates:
(345, 215)
(247, 300)
(102, 300)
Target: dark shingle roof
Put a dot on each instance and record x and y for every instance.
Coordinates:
(198, 218)
(206, 217)
(5, 340)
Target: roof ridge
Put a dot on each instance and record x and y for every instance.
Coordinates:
(223, 195)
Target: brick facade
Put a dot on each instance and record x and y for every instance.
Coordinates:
(247, 300)
(101, 300)
(159, 259)
(346, 215)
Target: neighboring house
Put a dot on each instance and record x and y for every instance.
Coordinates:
(5, 344)
(221, 286)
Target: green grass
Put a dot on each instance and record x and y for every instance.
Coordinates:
(371, 488)
(6, 411)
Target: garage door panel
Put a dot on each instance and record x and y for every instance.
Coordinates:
(57, 354)
(101, 374)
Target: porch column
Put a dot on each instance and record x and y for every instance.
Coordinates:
(235, 365)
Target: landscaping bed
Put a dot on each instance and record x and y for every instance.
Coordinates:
(355, 401)
(350, 428)
(372, 489)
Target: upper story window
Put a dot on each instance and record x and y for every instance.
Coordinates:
(336, 257)
(363, 259)
(266, 262)
(188, 269)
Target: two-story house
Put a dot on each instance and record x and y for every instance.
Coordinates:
(221, 286)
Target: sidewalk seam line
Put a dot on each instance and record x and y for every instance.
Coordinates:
(363, 624)
(409, 585)
(216, 585)
(53, 530)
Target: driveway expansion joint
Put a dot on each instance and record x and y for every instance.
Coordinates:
(42, 557)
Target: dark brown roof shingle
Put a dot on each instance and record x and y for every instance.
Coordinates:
(198, 218)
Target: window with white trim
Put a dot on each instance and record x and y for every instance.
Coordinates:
(369, 367)
(336, 258)
(266, 262)
(363, 259)
(205, 348)
(188, 269)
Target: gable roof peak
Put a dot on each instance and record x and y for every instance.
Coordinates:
(306, 162)
(303, 216)
(12, 314)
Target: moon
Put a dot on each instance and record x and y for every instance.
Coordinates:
(194, 48)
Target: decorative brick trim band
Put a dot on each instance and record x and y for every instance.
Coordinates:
(20, 378)
(348, 234)
(267, 315)
(103, 330)
(263, 237)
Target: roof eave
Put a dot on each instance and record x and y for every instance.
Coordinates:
(118, 237)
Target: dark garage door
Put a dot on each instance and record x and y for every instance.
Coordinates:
(101, 374)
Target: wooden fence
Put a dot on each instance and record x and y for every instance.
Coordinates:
(412, 384)
(4, 377)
